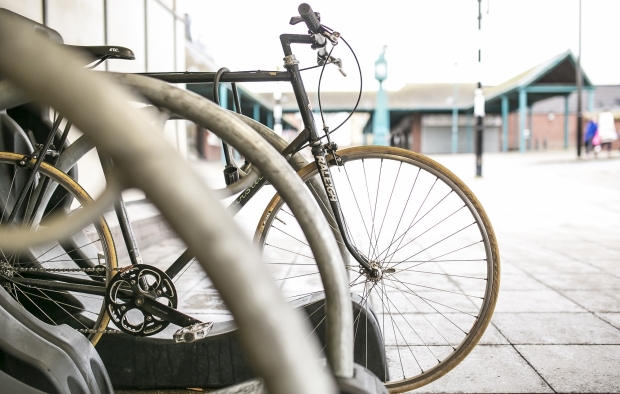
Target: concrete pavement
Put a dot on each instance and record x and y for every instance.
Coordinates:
(556, 327)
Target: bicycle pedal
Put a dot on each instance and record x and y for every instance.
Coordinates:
(192, 333)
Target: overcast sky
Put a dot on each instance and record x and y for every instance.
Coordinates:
(425, 38)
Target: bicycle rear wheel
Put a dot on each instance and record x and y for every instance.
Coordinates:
(87, 258)
(430, 238)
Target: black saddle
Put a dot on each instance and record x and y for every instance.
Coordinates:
(106, 52)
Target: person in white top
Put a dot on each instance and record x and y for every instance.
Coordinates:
(607, 130)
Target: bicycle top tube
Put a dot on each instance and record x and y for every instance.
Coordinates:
(230, 76)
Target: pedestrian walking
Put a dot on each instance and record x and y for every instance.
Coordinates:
(591, 129)
(607, 130)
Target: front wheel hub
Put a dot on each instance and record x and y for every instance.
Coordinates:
(376, 274)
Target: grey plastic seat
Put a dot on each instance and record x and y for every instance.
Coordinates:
(32, 360)
(74, 345)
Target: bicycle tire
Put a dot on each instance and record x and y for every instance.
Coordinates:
(387, 156)
(103, 242)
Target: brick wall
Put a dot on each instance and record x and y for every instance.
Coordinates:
(546, 132)
(416, 132)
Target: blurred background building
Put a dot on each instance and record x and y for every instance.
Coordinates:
(535, 110)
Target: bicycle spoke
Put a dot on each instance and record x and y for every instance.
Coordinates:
(411, 215)
(420, 235)
(436, 243)
(285, 233)
(388, 205)
(412, 224)
(290, 251)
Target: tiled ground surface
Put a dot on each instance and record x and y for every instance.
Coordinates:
(556, 327)
(559, 306)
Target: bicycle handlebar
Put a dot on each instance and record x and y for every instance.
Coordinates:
(310, 18)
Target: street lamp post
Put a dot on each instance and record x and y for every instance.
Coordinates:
(381, 118)
(579, 83)
(479, 101)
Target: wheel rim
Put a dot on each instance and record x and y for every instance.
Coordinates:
(92, 245)
(431, 330)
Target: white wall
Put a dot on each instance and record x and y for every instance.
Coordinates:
(150, 28)
(32, 9)
(126, 28)
(79, 22)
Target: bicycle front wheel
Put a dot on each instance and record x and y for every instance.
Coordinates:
(430, 239)
(87, 258)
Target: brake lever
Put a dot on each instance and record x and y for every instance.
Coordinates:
(337, 62)
(295, 20)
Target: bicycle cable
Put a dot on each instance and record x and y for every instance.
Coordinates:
(359, 96)
(325, 128)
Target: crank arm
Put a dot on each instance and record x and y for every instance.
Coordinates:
(164, 312)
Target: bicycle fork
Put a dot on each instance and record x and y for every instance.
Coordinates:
(319, 153)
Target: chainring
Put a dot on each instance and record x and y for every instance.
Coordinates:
(125, 291)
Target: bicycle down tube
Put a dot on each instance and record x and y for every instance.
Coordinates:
(308, 135)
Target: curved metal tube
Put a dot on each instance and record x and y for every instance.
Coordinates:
(274, 167)
(297, 161)
(277, 340)
(60, 228)
(11, 96)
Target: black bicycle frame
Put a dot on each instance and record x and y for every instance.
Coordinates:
(308, 136)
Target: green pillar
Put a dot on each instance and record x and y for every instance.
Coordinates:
(381, 119)
(470, 135)
(522, 118)
(256, 112)
(223, 93)
(455, 120)
(223, 96)
(505, 111)
(566, 121)
(270, 120)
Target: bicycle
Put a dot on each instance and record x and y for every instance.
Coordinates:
(54, 75)
(435, 314)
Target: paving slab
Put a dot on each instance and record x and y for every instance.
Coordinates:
(534, 301)
(611, 266)
(490, 369)
(576, 369)
(552, 267)
(556, 328)
(592, 281)
(611, 318)
(520, 281)
(596, 300)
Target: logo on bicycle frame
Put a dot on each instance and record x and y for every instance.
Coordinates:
(327, 179)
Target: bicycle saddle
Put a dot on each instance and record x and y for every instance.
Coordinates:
(109, 52)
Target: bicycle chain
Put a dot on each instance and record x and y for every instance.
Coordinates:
(14, 270)
(94, 269)
(93, 331)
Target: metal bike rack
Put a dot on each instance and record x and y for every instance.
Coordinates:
(267, 326)
(275, 168)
